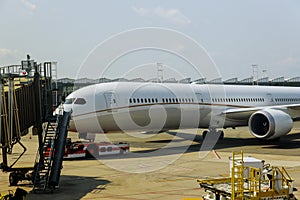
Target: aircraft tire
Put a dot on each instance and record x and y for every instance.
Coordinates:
(13, 179)
(204, 134)
(221, 134)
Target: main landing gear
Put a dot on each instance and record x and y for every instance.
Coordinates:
(213, 131)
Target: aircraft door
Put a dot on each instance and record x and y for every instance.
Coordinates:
(270, 99)
(110, 99)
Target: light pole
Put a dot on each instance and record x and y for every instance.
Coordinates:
(254, 73)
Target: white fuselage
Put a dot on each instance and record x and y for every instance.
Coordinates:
(124, 106)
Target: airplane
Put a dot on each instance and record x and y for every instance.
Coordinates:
(268, 111)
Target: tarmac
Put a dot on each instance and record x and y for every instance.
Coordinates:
(159, 166)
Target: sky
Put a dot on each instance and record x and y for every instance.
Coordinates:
(80, 36)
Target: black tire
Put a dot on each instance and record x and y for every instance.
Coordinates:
(221, 134)
(204, 134)
(13, 179)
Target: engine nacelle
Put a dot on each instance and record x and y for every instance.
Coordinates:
(270, 124)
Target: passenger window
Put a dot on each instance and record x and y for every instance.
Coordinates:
(109, 149)
(80, 101)
(130, 101)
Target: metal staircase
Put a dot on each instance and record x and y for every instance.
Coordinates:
(43, 163)
(49, 160)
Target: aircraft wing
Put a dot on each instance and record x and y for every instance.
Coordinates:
(244, 113)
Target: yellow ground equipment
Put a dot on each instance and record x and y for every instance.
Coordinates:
(249, 182)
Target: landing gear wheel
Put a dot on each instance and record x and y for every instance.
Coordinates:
(204, 134)
(221, 134)
(13, 179)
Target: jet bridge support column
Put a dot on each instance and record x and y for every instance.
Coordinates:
(3, 138)
(38, 110)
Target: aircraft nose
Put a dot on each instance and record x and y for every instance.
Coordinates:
(67, 108)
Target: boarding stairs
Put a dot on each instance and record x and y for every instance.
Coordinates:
(43, 163)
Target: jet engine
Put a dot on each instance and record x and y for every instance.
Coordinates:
(270, 124)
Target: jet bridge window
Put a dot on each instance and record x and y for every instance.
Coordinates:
(80, 101)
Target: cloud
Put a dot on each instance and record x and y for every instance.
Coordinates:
(30, 6)
(9, 56)
(4, 52)
(172, 15)
(141, 11)
(289, 61)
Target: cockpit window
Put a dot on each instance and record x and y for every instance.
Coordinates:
(69, 101)
(80, 101)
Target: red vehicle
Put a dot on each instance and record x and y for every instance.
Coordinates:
(92, 149)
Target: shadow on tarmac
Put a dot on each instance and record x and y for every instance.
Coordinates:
(249, 145)
(75, 187)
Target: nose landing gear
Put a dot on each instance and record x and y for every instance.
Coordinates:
(213, 131)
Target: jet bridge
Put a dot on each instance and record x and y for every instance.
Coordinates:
(28, 95)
